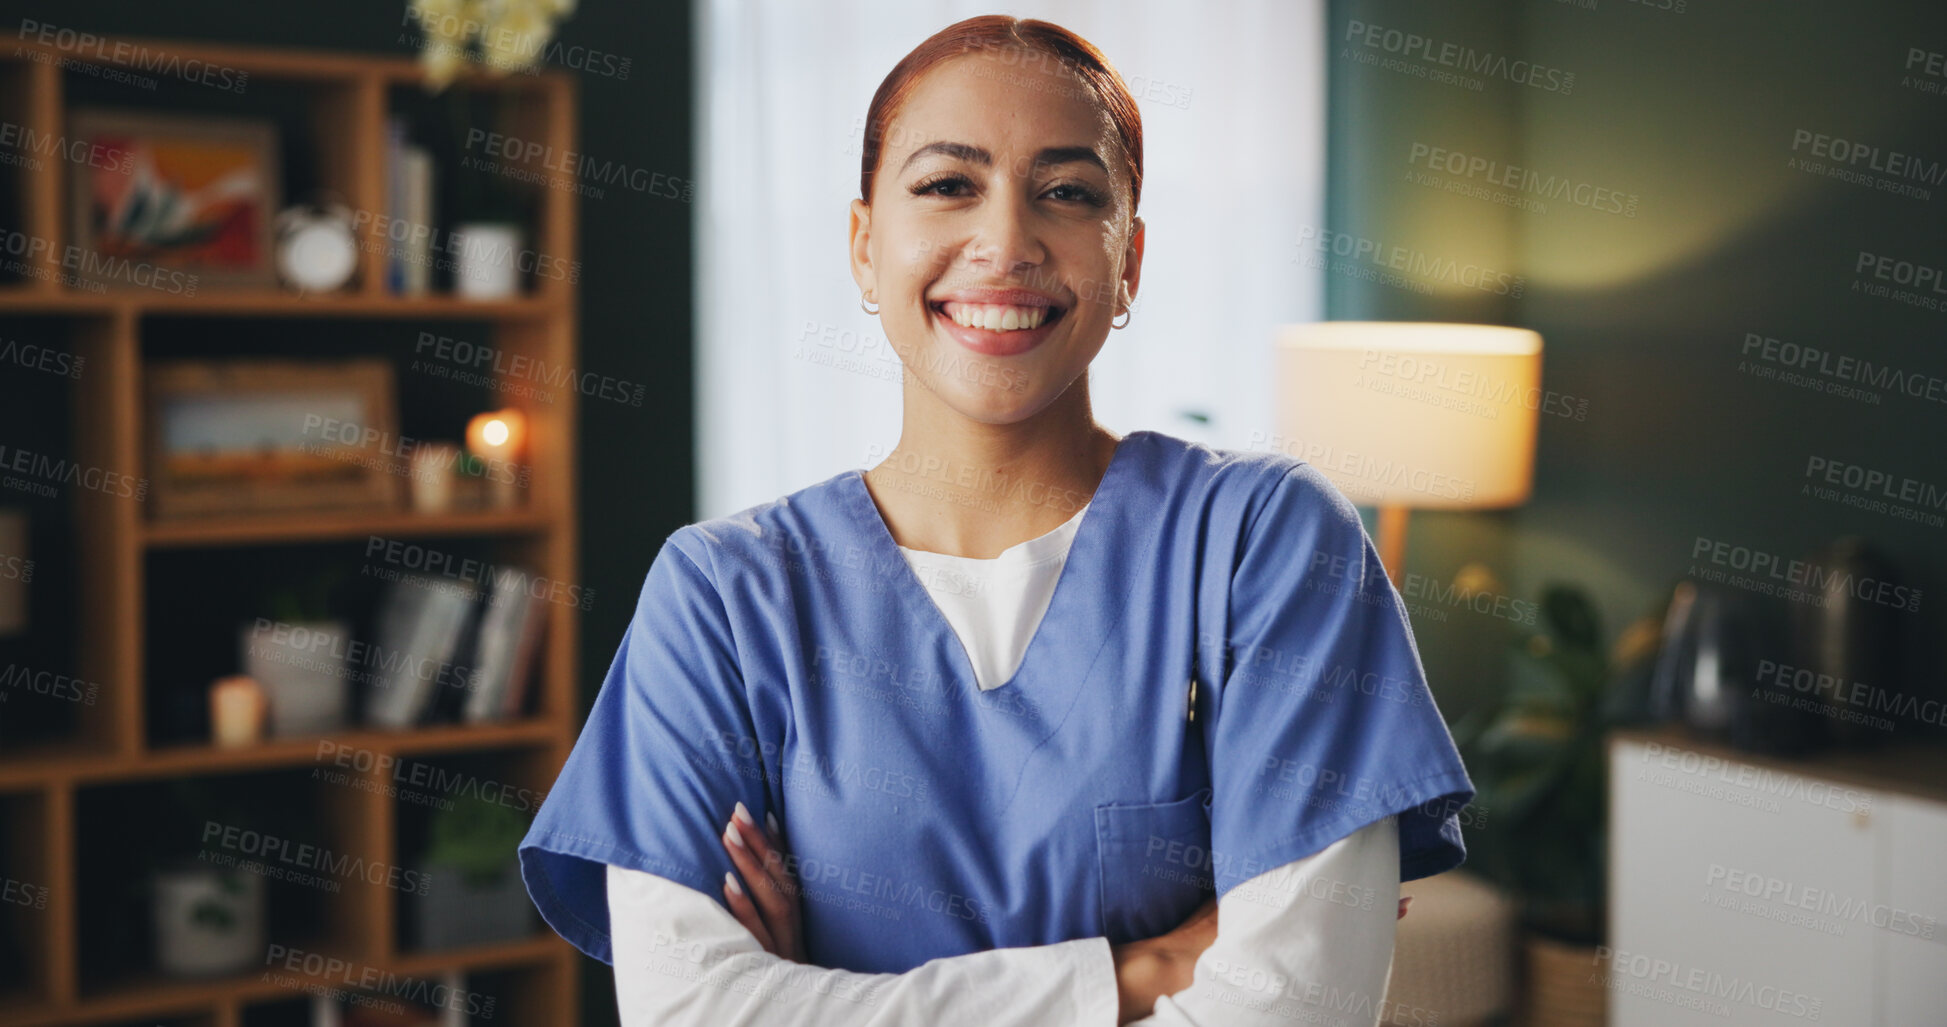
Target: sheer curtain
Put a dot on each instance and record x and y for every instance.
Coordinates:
(795, 383)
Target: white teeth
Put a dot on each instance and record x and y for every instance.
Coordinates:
(994, 317)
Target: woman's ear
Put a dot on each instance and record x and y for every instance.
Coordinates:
(859, 235)
(1132, 263)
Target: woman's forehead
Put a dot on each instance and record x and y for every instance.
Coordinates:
(1005, 106)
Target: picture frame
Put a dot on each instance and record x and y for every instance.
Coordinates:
(264, 436)
(191, 195)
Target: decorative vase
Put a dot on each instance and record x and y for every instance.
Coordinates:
(208, 920)
(301, 668)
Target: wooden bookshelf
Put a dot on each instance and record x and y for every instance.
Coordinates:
(47, 789)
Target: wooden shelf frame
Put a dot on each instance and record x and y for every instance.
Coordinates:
(350, 96)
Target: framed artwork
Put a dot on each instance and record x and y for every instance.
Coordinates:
(193, 194)
(244, 436)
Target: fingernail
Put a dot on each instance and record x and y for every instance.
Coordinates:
(730, 835)
(730, 880)
(744, 815)
(771, 819)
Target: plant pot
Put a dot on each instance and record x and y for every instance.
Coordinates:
(301, 667)
(208, 920)
(1566, 985)
(453, 913)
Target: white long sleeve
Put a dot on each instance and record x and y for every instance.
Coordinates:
(1309, 942)
(681, 960)
(1316, 931)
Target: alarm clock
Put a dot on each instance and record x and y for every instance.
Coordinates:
(317, 250)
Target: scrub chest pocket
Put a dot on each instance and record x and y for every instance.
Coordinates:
(1155, 865)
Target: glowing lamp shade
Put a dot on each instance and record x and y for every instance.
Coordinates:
(1412, 415)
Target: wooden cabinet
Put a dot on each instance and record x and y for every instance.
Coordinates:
(70, 801)
(1750, 890)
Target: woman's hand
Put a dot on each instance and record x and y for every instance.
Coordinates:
(1167, 964)
(771, 913)
(1163, 965)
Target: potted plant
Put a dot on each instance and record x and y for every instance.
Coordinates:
(206, 912)
(299, 655)
(473, 891)
(1537, 761)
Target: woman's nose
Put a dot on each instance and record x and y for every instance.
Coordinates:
(1006, 240)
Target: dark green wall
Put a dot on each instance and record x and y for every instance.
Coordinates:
(1694, 112)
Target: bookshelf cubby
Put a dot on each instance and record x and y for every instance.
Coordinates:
(115, 582)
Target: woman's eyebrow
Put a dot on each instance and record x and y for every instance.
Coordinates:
(976, 155)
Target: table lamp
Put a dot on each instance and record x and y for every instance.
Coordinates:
(1403, 415)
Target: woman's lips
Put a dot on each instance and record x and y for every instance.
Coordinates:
(1004, 343)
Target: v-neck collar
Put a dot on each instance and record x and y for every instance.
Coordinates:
(1082, 549)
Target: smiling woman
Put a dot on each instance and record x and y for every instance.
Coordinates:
(1021, 705)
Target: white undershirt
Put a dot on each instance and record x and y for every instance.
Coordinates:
(1310, 941)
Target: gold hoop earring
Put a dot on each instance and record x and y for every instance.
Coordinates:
(1127, 316)
(862, 306)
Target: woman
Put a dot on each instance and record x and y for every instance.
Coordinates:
(1020, 702)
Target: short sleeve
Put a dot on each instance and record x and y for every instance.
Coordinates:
(1324, 722)
(652, 780)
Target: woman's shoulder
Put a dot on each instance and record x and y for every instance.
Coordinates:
(753, 537)
(1251, 475)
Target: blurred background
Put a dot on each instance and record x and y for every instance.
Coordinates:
(358, 358)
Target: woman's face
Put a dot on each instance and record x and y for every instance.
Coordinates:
(1000, 241)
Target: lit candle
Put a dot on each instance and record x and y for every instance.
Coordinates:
(237, 709)
(498, 437)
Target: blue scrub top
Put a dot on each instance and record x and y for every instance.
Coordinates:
(786, 656)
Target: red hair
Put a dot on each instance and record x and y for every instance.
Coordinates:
(1039, 40)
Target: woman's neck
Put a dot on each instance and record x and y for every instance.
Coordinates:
(961, 487)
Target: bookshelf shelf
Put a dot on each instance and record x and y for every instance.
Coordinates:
(62, 797)
(268, 530)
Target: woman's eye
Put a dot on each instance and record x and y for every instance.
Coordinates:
(1077, 192)
(940, 186)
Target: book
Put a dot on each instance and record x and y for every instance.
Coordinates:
(420, 625)
(506, 649)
